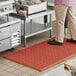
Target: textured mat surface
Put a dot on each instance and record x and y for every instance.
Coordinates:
(43, 56)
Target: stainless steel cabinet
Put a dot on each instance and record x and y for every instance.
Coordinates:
(15, 27)
(10, 27)
(4, 33)
(10, 34)
(4, 44)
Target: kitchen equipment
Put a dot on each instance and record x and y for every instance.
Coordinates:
(31, 9)
(10, 33)
(6, 6)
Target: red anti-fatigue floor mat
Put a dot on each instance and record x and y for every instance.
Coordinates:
(43, 56)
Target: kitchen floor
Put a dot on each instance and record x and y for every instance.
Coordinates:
(10, 68)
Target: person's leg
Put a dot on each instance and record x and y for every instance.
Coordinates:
(60, 12)
(72, 23)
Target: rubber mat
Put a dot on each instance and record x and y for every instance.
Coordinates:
(43, 56)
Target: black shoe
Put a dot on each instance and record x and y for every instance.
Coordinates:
(71, 41)
(54, 42)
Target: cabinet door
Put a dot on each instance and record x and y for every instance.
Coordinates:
(4, 44)
(4, 33)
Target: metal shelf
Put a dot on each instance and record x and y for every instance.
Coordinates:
(33, 16)
(36, 28)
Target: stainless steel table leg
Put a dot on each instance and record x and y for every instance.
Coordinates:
(45, 20)
(25, 42)
(50, 25)
(30, 26)
(24, 33)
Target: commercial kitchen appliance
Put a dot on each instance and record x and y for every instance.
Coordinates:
(10, 29)
(30, 8)
(6, 6)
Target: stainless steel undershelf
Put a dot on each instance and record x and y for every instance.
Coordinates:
(36, 29)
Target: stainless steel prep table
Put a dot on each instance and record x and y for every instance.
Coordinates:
(34, 28)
